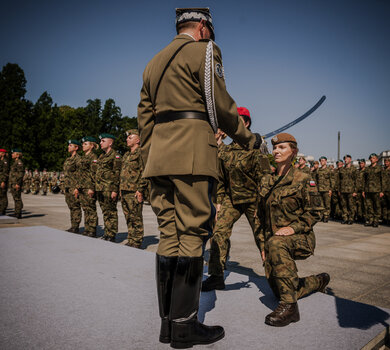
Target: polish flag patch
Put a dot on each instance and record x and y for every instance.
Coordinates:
(117, 157)
(312, 183)
(95, 160)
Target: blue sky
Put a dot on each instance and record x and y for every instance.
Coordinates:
(280, 57)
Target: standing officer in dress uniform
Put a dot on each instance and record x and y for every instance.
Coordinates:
(108, 169)
(4, 172)
(70, 178)
(85, 190)
(183, 102)
(324, 180)
(237, 194)
(373, 191)
(133, 188)
(347, 190)
(16, 181)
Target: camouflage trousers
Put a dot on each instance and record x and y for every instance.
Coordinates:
(110, 213)
(74, 207)
(326, 200)
(348, 206)
(17, 196)
(44, 188)
(360, 206)
(220, 242)
(386, 206)
(3, 200)
(281, 270)
(373, 205)
(88, 205)
(335, 206)
(36, 187)
(132, 210)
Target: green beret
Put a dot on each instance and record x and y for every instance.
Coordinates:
(362, 160)
(323, 157)
(106, 136)
(373, 155)
(89, 139)
(74, 142)
(347, 155)
(132, 132)
(16, 150)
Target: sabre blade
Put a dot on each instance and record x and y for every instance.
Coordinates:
(296, 121)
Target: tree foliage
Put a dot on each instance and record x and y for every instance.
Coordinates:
(42, 129)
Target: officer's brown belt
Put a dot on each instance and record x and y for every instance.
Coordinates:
(171, 116)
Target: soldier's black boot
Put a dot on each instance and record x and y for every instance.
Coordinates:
(186, 330)
(165, 271)
(324, 279)
(283, 315)
(213, 282)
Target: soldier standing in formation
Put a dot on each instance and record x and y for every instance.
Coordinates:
(360, 201)
(16, 181)
(85, 186)
(4, 172)
(70, 178)
(53, 181)
(133, 188)
(36, 179)
(290, 205)
(26, 183)
(373, 191)
(347, 190)
(107, 185)
(314, 170)
(177, 121)
(302, 165)
(237, 191)
(386, 191)
(44, 182)
(324, 180)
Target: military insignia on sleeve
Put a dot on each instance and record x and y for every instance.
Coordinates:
(117, 157)
(219, 70)
(95, 160)
(275, 139)
(312, 183)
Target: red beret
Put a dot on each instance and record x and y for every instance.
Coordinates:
(243, 111)
(3, 150)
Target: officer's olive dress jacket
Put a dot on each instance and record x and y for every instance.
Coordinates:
(185, 147)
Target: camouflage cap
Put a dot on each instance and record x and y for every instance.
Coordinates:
(89, 139)
(74, 142)
(323, 157)
(132, 132)
(16, 150)
(372, 155)
(283, 137)
(195, 15)
(106, 136)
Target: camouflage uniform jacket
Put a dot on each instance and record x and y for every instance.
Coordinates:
(36, 178)
(347, 177)
(4, 170)
(70, 171)
(305, 169)
(108, 172)
(242, 171)
(44, 179)
(131, 173)
(16, 173)
(360, 180)
(292, 201)
(86, 171)
(386, 180)
(373, 179)
(324, 179)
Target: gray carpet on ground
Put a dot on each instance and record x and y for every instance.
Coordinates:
(64, 291)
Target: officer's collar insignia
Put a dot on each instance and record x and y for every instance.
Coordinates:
(219, 70)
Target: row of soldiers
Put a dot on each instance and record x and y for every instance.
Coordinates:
(351, 194)
(34, 182)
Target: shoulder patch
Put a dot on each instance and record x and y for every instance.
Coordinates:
(117, 156)
(95, 160)
(219, 70)
(312, 183)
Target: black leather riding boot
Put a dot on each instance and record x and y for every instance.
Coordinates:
(186, 330)
(165, 271)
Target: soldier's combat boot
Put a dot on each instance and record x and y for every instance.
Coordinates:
(324, 279)
(186, 330)
(374, 224)
(283, 315)
(165, 271)
(73, 230)
(213, 282)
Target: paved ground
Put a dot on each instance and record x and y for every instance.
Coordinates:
(356, 257)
